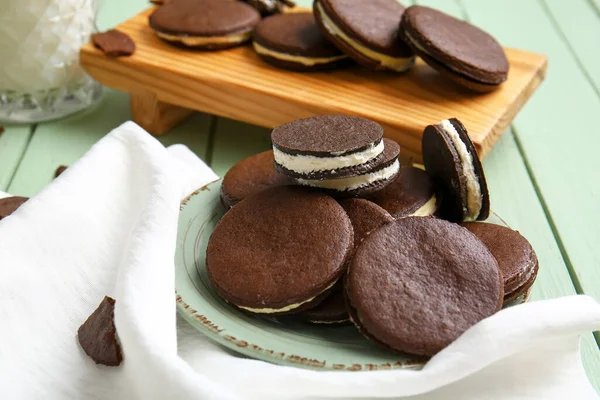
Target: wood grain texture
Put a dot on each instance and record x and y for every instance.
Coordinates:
(238, 85)
(13, 142)
(155, 116)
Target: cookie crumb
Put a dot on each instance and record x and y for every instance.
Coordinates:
(98, 335)
(114, 43)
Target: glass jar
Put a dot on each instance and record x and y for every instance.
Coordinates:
(40, 75)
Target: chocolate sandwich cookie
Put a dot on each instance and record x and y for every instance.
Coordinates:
(251, 175)
(451, 159)
(270, 7)
(279, 251)
(9, 205)
(205, 24)
(295, 42)
(365, 216)
(416, 284)
(362, 181)
(326, 146)
(332, 310)
(412, 193)
(368, 31)
(516, 258)
(457, 49)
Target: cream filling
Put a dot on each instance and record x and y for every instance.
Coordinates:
(286, 308)
(473, 189)
(354, 182)
(426, 209)
(308, 61)
(304, 164)
(399, 64)
(204, 40)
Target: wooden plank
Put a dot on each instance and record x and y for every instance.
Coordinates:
(13, 142)
(63, 142)
(238, 85)
(579, 25)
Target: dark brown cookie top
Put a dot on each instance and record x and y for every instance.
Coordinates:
(443, 162)
(365, 216)
(516, 258)
(98, 335)
(9, 205)
(331, 310)
(327, 135)
(373, 23)
(114, 43)
(462, 47)
(410, 191)
(279, 247)
(418, 283)
(296, 34)
(204, 18)
(251, 175)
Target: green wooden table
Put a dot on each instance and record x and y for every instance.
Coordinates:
(543, 174)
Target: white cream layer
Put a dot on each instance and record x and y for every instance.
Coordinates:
(308, 61)
(304, 164)
(205, 40)
(473, 188)
(399, 64)
(354, 182)
(426, 209)
(286, 308)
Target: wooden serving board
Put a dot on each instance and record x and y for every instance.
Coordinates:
(165, 83)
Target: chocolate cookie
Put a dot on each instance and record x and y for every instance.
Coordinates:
(368, 31)
(362, 181)
(9, 205)
(98, 335)
(365, 217)
(60, 170)
(451, 159)
(516, 258)
(416, 284)
(205, 24)
(279, 251)
(412, 193)
(114, 43)
(457, 49)
(332, 310)
(251, 175)
(326, 146)
(295, 42)
(270, 7)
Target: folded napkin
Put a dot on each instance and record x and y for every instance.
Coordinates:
(107, 226)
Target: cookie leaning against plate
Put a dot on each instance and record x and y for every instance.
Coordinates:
(279, 251)
(9, 205)
(368, 31)
(205, 24)
(457, 49)
(326, 146)
(452, 161)
(295, 42)
(251, 175)
(516, 258)
(416, 284)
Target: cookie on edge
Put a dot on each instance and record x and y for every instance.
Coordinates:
(294, 41)
(279, 251)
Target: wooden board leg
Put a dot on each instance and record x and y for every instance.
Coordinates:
(153, 115)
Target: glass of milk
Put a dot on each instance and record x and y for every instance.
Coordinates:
(40, 75)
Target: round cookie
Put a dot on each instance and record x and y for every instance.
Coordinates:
(457, 49)
(332, 310)
(279, 251)
(8, 205)
(269, 7)
(326, 146)
(368, 31)
(362, 181)
(251, 175)
(294, 41)
(451, 159)
(205, 24)
(516, 258)
(412, 193)
(365, 216)
(416, 284)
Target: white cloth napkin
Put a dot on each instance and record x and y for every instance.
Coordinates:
(107, 226)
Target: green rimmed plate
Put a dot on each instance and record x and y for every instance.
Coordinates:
(287, 343)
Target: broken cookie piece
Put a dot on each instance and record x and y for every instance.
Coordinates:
(98, 335)
(114, 43)
(9, 205)
(60, 170)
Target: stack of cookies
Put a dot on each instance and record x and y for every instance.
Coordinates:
(328, 228)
